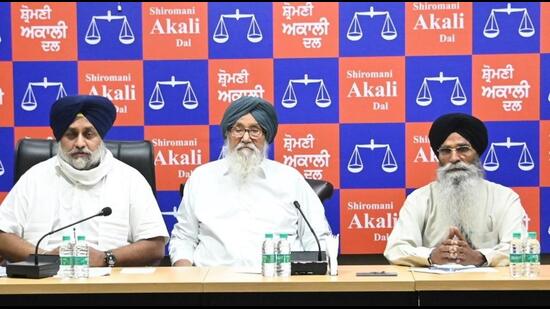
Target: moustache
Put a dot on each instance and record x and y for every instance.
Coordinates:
(80, 152)
(240, 147)
(456, 167)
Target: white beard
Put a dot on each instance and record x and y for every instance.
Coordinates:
(82, 163)
(244, 160)
(456, 194)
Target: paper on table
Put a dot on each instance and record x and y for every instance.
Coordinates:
(451, 266)
(3, 272)
(447, 269)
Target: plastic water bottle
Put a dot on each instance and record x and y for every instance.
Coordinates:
(268, 256)
(66, 261)
(283, 256)
(82, 258)
(516, 256)
(532, 256)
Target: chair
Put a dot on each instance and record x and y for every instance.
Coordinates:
(138, 154)
(322, 188)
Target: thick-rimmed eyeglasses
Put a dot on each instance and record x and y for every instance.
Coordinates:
(254, 132)
(462, 150)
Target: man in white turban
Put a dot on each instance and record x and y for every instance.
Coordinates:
(229, 204)
(461, 217)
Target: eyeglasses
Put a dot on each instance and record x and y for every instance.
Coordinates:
(462, 150)
(254, 132)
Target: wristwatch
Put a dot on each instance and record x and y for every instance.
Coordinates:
(110, 258)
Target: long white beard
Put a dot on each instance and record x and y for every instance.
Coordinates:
(456, 193)
(82, 163)
(244, 160)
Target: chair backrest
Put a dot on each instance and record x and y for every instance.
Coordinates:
(322, 188)
(138, 154)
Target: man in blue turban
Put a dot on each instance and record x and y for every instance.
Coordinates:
(262, 111)
(98, 110)
(230, 204)
(77, 183)
(249, 125)
(459, 218)
(96, 113)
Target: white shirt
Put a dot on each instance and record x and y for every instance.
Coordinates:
(222, 223)
(417, 232)
(45, 198)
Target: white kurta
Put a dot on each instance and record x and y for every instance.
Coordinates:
(45, 199)
(417, 232)
(221, 223)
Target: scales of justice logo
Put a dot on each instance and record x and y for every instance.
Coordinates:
(525, 161)
(172, 213)
(424, 96)
(189, 100)
(525, 29)
(388, 31)
(388, 165)
(125, 36)
(322, 98)
(221, 34)
(29, 102)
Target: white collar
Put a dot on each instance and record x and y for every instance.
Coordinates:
(87, 177)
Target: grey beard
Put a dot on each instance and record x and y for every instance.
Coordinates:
(244, 162)
(83, 163)
(456, 195)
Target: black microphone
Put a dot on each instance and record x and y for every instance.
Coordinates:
(49, 267)
(304, 262)
(297, 205)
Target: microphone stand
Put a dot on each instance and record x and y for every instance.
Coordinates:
(304, 262)
(59, 229)
(35, 269)
(297, 205)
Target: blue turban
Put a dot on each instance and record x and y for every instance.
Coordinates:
(99, 111)
(261, 110)
(469, 127)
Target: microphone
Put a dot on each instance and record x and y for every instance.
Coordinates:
(50, 265)
(308, 262)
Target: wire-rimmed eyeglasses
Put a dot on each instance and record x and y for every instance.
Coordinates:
(462, 150)
(254, 132)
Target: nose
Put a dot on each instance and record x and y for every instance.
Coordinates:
(454, 158)
(246, 137)
(80, 142)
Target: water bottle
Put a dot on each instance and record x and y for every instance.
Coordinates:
(283, 256)
(66, 261)
(532, 256)
(268, 256)
(516, 256)
(82, 258)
